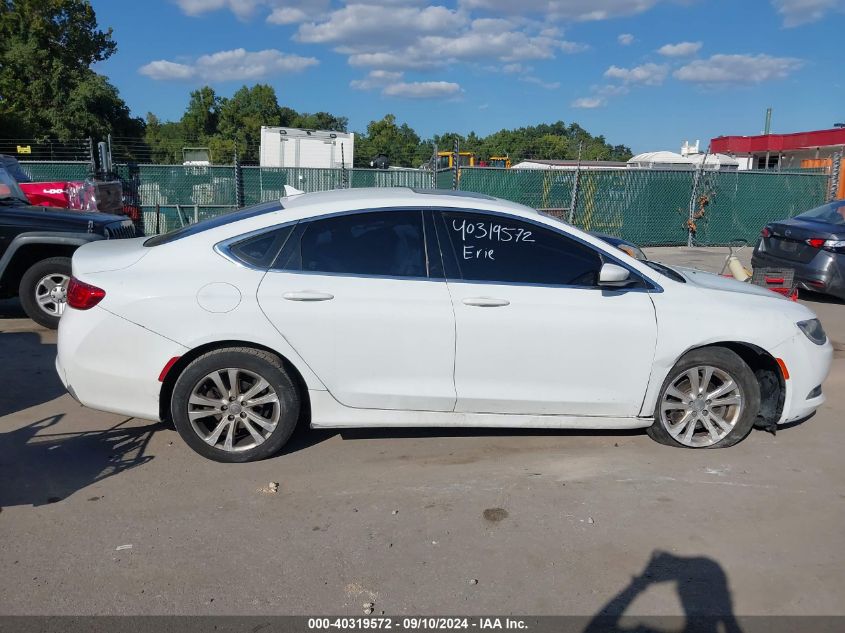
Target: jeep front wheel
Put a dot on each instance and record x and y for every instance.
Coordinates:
(43, 290)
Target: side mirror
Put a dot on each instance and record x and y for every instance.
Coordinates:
(614, 276)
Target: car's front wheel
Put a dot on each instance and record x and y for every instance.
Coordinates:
(43, 290)
(710, 399)
(235, 405)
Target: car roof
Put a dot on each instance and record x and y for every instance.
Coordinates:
(337, 200)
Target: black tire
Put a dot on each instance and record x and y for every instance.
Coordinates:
(29, 284)
(730, 363)
(261, 363)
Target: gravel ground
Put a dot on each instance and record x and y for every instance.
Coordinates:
(106, 515)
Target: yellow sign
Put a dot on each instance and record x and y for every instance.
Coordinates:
(24, 149)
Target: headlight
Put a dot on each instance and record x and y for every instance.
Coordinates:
(813, 330)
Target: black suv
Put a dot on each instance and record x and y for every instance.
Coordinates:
(36, 244)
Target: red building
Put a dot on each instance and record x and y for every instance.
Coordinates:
(820, 149)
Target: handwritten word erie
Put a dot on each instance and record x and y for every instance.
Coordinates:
(472, 252)
(491, 231)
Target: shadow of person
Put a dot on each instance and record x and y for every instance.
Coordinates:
(28, 373)
(702, 588)
(40, 467)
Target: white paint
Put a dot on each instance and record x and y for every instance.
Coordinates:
(388, 352)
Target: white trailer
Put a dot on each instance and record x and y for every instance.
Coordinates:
(294, 147)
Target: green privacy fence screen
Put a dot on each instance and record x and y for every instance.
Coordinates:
(648, 207)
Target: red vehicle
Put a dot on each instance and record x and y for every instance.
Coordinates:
(80, 195)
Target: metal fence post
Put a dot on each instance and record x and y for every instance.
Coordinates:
(239, 182)
(434, 167)
(573, 204)
(456, 161)
(91, 160)
(835, 176)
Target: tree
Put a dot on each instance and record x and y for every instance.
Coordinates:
(201, 116)
(319, 121)
(400, 143)
(48, 88)
(242, 116)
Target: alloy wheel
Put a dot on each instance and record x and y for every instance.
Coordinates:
(701, 406)
(51, 293)
(233, 409)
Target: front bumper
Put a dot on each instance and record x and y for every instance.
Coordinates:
(111, 364)
(808, 365)
(820, 274)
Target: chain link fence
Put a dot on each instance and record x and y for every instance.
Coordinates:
(648, 207)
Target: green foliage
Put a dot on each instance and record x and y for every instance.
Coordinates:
(48, 88)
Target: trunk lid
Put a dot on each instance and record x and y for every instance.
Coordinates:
(107, 255)
(789, 238)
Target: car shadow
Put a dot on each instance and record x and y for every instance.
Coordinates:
(41, 467)
(28, 372)
(11, 309)
(817, 297)
(701, 586)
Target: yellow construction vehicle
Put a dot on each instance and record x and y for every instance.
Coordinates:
(503, 162)
(446, 160)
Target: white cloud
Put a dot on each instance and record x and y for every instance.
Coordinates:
(725, 69)
(798, 12)
(551, 85)
(237, 64)
(163, 69)
(367, 28)
(647, 74)
(287, 15)
(281, 11)
(423, 90)
(625, 39)
(681, 49)
(514, 69)
(376, 79)
(588, 103)
(581, 10)
(241, 8)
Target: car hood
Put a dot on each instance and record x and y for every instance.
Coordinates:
(712, 281)
(98, 218)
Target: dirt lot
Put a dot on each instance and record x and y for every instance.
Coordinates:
(104, 515)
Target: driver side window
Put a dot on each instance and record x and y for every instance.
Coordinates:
(497, 248)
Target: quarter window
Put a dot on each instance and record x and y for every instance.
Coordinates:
(389, 244)
(502, 249)
(261, 250)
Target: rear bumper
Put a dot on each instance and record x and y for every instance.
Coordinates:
(821, 274)
(111, 364)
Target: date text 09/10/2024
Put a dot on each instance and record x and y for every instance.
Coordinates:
(412, 623)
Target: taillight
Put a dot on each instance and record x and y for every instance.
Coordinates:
(82, 296)
(766, 232)
(816, 242)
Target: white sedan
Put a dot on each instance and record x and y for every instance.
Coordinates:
(404, 308)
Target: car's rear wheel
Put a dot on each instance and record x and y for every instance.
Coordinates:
(43, 290)
(710, 399)
(235, 405)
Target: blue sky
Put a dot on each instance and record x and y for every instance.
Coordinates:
(645, 73)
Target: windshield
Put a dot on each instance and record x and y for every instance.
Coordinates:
(832, 213)
(10, 191)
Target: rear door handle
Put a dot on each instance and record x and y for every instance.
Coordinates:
(486, 302)
(308, 295)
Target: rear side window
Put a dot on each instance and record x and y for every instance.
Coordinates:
(506, 250)
(387, 244)
(260, 250)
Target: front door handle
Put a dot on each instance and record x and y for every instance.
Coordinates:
(308, 295)
(486, 302)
